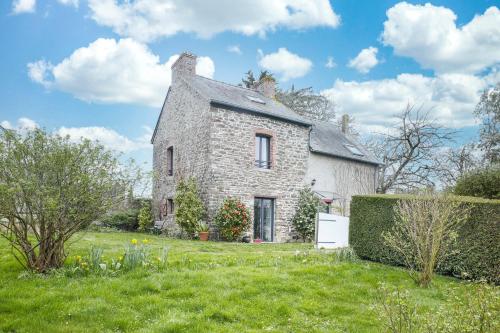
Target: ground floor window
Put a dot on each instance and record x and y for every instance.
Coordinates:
(263, 225)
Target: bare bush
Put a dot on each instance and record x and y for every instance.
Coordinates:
(424, 232)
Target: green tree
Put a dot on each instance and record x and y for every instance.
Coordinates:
(145, 217)
(304, 220)
(51, 188)
(189, 209)
(484, 183)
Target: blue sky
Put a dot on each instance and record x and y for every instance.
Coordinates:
(99, 69)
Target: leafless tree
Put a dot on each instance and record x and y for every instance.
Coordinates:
(452, 163)
(407, 152)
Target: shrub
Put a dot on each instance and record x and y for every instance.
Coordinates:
(484, 183)
(478, 240)
(126, 220)
(189, 209)
(304, 220)
(232, 219)
(51, 188)
(478, 311)
(424, 233)
(145, 217)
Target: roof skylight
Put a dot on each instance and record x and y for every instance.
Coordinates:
(255, 99)
(354, 150)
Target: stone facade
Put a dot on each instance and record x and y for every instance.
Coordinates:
(216, 145)
(233, 170)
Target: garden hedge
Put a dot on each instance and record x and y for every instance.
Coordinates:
(478, 240)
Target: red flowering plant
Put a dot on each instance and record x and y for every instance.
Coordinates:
(232, 219)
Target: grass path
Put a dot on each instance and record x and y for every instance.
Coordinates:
(208, 287)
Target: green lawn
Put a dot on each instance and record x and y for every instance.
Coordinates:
(208, 287)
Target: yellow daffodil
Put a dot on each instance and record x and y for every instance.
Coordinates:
(134, 241)
(145, 241)
(78, 258)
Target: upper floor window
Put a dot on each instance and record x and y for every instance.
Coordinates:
(170, 161)
(263, 151)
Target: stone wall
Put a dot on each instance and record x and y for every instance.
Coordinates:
(340, 178)
(184, 124)
(233, 171)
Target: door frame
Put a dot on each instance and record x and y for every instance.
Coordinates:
(261, 222)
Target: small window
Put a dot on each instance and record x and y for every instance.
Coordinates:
(170, 161)
(263, 151)
(354, 150)
(170, 206)
(255, 99)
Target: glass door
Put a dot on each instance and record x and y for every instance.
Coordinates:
(263, 219)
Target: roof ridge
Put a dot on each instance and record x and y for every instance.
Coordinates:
(229, 84)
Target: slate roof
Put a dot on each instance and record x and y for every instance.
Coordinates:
(325, 138)
(328, 139)
(235, 97)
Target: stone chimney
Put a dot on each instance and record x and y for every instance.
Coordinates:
(267, 87)
(345, 123)
(184, 66)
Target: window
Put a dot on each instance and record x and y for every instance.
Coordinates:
(354, 150)
(170, 206)
(256, 99)
(170, 161)
(263, 151)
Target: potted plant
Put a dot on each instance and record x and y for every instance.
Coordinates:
(203, 231)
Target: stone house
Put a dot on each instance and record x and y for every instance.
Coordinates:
(240, 142)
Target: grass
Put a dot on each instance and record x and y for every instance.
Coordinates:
(207, 287)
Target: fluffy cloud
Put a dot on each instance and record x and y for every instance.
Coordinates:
(365, 60)
(23, 6)
(286, 64)
(430, 35)
(108, 137)
(451, 98)
(109, 71)
(234, 49)
(22, 124)
(73, 3)
(147, 20)
(105, 136)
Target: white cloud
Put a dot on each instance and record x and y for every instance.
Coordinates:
(5, 124)
(430, 35)
(451, 98)
(330, 63)
(23, 124)
(286, 64)
(23, 6)
(365, 60)
(109, 71)
(107, 137)
(73, 3)
(147, 20)
(234, 49)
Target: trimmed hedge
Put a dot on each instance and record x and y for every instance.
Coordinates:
(478, 240)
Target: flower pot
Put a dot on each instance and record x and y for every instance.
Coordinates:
(203, 235)
(257, 240)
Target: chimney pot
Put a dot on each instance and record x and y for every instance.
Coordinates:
(184, 66)
(345, 123)
(267, 87)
